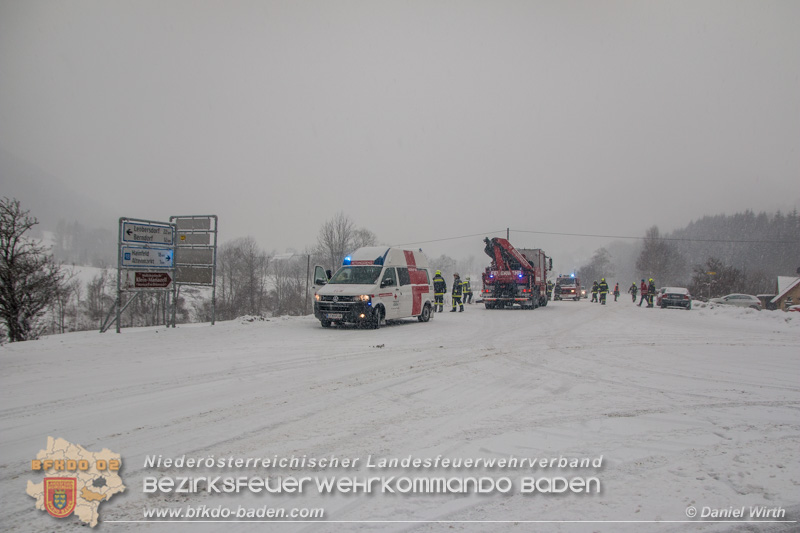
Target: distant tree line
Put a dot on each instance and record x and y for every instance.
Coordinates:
(74, 244)
(713, 256)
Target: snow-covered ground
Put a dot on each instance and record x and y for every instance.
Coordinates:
(687, 409)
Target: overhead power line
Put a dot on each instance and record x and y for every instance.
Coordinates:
(595, 235)
(451, 238)
(686, 239)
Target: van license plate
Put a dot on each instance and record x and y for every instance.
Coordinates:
(334, 315)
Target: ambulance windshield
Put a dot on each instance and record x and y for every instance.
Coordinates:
(356, 275)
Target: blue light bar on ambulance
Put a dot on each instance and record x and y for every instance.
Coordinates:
(347, 260)
(572, 275)
(520, 276)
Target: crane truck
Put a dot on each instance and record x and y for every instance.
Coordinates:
(515, 276)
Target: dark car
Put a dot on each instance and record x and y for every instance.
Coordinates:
(675, 297)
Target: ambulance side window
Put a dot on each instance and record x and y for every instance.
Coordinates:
(402, 274)
(389, 279)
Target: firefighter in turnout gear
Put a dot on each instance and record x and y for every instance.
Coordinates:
(549, 290)
(603, 288)
(467, 290)
(643, 290)
(439, 289)
(633, 290)
(651, 292)
(456, 294)
(594, 291)
(616, 291)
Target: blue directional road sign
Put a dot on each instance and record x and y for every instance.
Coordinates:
(140, 257)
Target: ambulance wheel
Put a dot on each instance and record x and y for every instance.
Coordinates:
(426, 314)
(375, 323)
(325, 323)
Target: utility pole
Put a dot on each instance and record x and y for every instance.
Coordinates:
(308, 273)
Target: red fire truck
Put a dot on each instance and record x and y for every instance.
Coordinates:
(515, 276)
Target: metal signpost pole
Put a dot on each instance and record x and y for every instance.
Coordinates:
(119, 274)
(214, 274)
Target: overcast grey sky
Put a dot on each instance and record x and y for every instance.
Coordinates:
(419, 119)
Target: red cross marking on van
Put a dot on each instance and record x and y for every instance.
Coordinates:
(419, 282)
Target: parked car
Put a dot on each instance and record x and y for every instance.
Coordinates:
(659, 294)
(794, 308)
(674, 297)
(739, 300)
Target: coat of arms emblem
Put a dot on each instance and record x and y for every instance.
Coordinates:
(60, 495)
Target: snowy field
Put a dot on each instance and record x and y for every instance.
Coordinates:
(687, 409)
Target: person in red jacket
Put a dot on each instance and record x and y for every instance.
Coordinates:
(616, 291)
(643, 290)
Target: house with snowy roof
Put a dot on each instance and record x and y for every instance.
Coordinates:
(788, 292)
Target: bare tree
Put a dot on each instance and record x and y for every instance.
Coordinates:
(362, 237)
(339, 236)
(288, 277)
(242, 271)
(660, 259)
(29, 278)
(97, 301)
(600, 266)
(63, 301)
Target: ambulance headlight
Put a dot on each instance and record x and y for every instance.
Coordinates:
(362, 298)
(316, 297)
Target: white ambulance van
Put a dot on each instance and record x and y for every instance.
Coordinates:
(375, 284)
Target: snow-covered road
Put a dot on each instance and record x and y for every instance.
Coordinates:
(687, 409)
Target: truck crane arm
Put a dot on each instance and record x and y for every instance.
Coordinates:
(505, 255)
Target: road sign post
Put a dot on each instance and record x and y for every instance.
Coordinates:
(145, 262)
(195, 257)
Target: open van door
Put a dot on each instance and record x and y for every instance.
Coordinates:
(320, 277)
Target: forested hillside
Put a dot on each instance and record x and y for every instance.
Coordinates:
(746, 252)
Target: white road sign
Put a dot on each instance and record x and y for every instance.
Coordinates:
(135, 256)
(147, 233)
